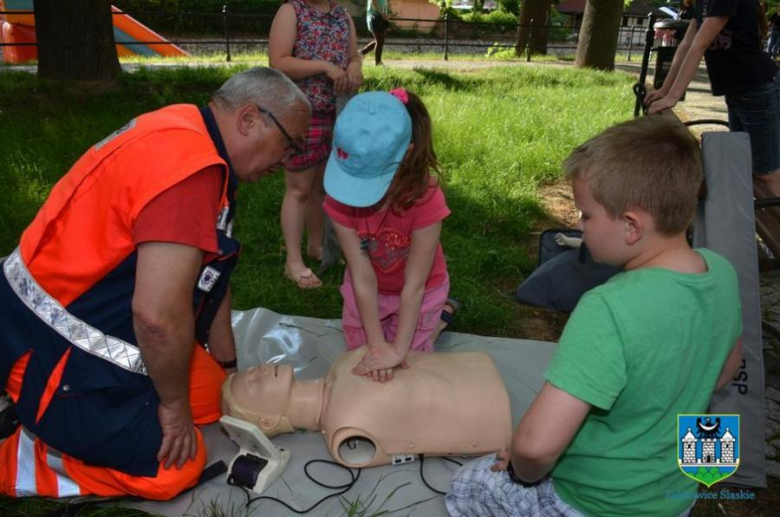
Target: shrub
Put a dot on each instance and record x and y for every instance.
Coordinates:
(202, 16)
(497, 16)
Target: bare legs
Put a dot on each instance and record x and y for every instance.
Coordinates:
(377, 45)
(302, 206)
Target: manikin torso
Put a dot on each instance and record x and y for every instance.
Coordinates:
(443, 404)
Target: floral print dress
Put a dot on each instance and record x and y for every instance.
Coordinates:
(321, 36)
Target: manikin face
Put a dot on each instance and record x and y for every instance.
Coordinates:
(264, 390)
(604, 236)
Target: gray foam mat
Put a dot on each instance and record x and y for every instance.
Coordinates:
(310, 345)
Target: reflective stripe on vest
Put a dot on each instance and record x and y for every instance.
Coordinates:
(26, 482)
(77, 332)
(25, 466)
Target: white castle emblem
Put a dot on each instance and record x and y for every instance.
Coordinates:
(717, 450)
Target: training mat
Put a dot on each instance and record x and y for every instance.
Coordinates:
(310, 345)
(725, 223)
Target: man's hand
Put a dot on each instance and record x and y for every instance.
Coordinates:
(179, 442)
(662, 104)
(502, 460)
(379, 361)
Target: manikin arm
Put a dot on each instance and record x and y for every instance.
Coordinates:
(281, 41)
(164, 325)
(702, 39)
(545, 431)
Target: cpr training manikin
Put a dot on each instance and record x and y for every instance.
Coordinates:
(444, 404)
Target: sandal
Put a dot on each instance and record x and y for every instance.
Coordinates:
(305, 279)
(449, 317)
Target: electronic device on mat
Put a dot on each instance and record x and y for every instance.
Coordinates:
(259, 462)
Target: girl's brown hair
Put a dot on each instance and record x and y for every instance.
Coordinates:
(419, 168)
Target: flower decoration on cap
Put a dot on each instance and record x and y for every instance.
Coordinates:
(401, 94)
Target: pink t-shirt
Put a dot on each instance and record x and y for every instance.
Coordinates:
(390, 236)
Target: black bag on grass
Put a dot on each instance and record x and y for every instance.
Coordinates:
(563, 275)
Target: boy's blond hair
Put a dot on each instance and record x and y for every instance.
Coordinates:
(651, 164)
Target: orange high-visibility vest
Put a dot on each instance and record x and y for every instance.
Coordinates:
(66, 292)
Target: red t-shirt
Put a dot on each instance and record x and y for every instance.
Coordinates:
(390, 236)
(186, 213)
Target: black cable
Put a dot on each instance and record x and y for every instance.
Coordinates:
(422, 475)
(456, 462)
(344, 488)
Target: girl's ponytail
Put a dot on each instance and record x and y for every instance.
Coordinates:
(420, 168)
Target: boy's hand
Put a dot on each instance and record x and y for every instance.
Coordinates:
(379, 361)
(502, 460)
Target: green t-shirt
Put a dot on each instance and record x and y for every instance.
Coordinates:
(641, 349)
(370, 8)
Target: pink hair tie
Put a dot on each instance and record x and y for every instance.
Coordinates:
(401, 94)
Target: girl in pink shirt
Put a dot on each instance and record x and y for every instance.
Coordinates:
(387, 208)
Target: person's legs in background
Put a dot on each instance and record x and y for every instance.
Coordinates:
(314, 214)
(303, 197)
(379, 36)
(295, 213)
(758, 113)
(370, 47)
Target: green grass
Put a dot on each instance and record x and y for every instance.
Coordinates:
(499, 133)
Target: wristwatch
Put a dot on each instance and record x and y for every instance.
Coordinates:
(228, 364)
(516, 480)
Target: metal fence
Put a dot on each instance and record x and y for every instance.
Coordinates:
(224, 31)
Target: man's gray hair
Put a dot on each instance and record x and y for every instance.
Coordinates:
(269, 88)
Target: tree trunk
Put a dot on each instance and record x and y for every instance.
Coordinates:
(76, 40)
(539, 12)
(599, 34)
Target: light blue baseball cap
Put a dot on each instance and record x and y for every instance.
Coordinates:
(371, 137)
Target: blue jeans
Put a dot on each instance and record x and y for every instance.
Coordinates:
(773, 47)
(757, 112)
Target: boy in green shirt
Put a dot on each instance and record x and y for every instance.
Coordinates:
(652, 343)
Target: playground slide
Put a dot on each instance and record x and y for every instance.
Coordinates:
(132, 37)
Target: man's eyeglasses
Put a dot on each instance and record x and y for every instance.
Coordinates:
(295, 147)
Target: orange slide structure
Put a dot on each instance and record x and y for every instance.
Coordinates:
(132, 37)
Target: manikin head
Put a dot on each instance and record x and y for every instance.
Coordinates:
(261, 395)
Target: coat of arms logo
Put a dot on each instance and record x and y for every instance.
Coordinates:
(708, 446)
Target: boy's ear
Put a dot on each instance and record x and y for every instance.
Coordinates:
(634, 227)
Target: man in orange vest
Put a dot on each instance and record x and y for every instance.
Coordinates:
(115, 331)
